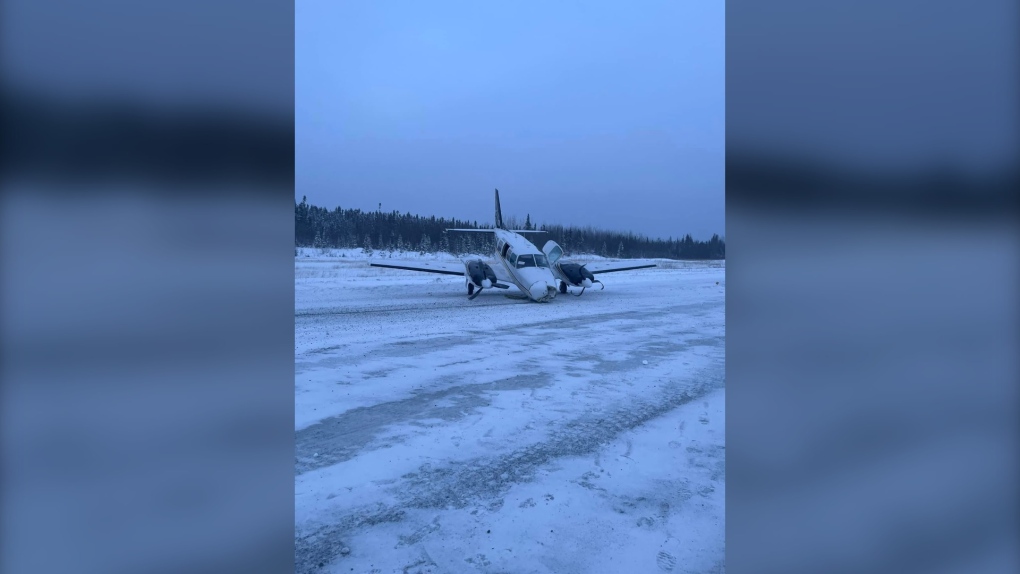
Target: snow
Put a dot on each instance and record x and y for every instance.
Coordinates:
(437, 434)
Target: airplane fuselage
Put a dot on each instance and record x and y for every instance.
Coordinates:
(527, 266)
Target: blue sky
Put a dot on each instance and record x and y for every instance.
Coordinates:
(582, 113)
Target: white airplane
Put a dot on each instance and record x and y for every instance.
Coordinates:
(518, 262)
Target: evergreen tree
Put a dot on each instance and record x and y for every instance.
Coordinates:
(351, 228)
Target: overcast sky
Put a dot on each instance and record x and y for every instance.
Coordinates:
(582, 113)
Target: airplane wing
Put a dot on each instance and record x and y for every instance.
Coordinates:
(500, 271)
(608, 268)
(442, 267)
(447, 268)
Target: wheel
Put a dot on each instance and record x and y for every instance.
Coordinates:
(471, 288)
(563, 287)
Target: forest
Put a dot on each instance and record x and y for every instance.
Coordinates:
(394, 231)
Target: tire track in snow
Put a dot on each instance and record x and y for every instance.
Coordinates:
(342, 437)
(486, 479)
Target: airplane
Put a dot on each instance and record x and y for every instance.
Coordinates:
(539, 275)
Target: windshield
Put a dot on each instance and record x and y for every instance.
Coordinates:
(531, 261)
(525, 261)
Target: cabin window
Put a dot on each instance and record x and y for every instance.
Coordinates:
(541, 261)
(511, 257)
(504, 248)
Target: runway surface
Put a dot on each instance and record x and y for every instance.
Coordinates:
(437, 434)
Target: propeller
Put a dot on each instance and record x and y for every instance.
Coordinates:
(590, 281)
(585, 287)
(480, 289)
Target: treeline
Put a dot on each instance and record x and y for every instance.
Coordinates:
(394, 231)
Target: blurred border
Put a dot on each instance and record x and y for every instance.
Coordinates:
(146, 229)
(872, 287)
(147, 337)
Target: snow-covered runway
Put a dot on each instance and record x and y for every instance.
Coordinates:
(436, 434)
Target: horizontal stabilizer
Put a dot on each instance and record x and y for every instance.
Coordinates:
(493, 230)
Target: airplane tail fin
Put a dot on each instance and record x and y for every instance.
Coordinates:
(499, 213)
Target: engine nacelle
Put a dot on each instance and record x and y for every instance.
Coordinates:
(577, 275)
(480, 273)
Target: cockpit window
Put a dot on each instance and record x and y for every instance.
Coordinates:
(525, 261)
(531, 261)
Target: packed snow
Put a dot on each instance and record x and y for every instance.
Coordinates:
(437, 434)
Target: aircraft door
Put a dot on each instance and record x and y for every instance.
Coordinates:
(552, 251)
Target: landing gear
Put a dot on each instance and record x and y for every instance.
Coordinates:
(471, 288)
(563, 287)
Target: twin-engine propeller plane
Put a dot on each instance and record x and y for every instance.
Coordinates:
(518, 262)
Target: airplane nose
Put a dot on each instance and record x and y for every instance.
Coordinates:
(542, 291)
(539, 290)
(586, 282)
(486, 283)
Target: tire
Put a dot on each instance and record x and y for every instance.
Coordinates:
(563, 287)
(471, 288)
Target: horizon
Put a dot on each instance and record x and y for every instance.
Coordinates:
(508, 216)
